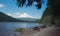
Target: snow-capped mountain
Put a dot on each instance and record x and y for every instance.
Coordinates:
(26, 17)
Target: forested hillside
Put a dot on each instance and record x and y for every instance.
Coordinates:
(6, 18)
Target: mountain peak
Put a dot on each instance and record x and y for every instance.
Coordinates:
(25, 15)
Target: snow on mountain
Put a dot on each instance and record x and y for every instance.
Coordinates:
(25, 15)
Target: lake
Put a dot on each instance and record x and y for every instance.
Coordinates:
(7, 28)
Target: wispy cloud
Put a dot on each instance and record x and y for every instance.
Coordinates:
(19, 15)
(9, 14)
(2, 5)
(15, 15)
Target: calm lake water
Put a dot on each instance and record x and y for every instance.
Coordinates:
(7, 28)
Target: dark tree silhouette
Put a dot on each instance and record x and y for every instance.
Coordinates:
(21, 3)
(52, 13)
(53, 4)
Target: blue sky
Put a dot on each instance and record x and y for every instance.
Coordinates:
(9, 7)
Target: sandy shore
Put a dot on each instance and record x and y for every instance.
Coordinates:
(28, 32)
(50, 31)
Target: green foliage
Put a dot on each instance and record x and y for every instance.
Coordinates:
(6, 18)
(52, 13)
(55, 5)
(47, 12)
(47, 16)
